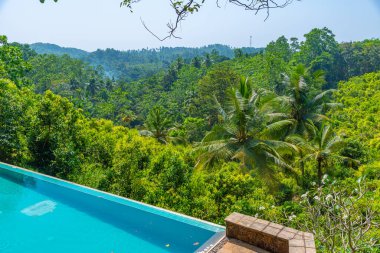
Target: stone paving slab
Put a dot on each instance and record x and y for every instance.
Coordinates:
(236, 246)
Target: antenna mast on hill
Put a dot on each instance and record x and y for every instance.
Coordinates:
(250, 41)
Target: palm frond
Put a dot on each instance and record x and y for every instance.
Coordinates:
(278, 161)
(220, 108)
(311, 129)
(319, 98)
(332, 105)
(280, 125)
(218, 132)
(317, 117)
(282, 145)
(345, 159)
(283, 100)
(325, 135)
(279, 129)
(301, 144)
(334, 143)
(276, 116)
(308, 157)
(213, 152)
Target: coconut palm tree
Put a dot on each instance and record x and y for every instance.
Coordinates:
(301, 102)
(158, 124)
(238, 137)
(93, 86)
(323, 148)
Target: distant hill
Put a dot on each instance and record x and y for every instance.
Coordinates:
(47, 48)
(134, 64)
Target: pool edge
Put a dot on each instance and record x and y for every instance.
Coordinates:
(211, 243)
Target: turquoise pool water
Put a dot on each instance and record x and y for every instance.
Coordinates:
(43, 214)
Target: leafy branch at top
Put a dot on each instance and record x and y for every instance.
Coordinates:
(183, 8)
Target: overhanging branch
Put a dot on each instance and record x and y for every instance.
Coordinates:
(184, 8)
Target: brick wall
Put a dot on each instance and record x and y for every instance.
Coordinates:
(268, 235)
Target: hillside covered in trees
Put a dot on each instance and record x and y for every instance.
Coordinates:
(290, 133)
(134, 64)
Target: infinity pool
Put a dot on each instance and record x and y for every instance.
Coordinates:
(43, 214)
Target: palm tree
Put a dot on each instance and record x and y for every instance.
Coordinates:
(158, 123)
(93, 86)
(322, 148)
(302, 104)
(239, 136)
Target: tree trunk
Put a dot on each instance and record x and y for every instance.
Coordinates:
(319, 161)
(302, 167)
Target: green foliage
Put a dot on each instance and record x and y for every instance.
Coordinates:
(27, 51)
(358, 119)
(46, 48)
(320, 51)
(132, 65)
(12, 64)
(53, 136)
(370, 171)
(63, 75)
(361, 57)
(158, 123)
(214, 85)
(276, 56)
(239, 137)
(322, 148)
(194, 127)
(14, 104)
(301, 105)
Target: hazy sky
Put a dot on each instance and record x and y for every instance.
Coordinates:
(92, 24)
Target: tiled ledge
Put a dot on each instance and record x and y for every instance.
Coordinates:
(268, 236)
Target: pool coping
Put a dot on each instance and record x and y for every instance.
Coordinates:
(218, 229)
(212, 243)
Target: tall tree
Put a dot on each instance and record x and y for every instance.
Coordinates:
(93, 86)
(301, 105)
(361, 57)
(276, 57)
(53, 138)
(239, 136)
(158, 123)
(12, 64)
(320, 51)
(214, 84)
(14, 120)
(322, 149)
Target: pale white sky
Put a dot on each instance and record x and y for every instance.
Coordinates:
(92, 24)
